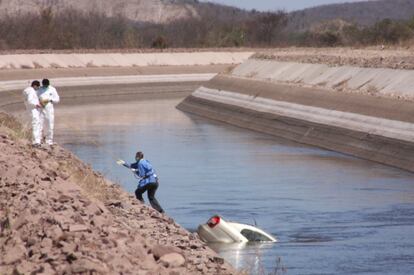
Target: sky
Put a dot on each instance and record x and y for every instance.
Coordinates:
(287, 5)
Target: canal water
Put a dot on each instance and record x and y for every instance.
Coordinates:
(332, 214)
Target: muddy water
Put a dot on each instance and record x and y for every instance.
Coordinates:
(331, 213)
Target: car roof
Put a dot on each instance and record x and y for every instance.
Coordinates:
(241, 226)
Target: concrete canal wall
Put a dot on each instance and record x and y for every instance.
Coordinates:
(105, 77)
(395, 83)
(363, 112)
(103, 90)
(75, 60)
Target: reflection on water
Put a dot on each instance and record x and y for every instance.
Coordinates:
(333, 214)
(249, 257)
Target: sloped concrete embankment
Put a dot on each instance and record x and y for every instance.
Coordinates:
(88, 60)
(331, 108)
(106, 89)
(384, 82)
(105, 77)
(58, 216)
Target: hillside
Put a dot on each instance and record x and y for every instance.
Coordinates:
(120, 24)
(166, 11)
(153, 11)
(363, 13)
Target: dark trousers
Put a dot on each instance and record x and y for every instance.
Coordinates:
(151, 188)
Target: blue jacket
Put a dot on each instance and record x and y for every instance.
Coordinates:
(145, 171)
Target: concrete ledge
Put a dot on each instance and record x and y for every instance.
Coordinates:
(384, 150)
(351, 121)
(165, 81)
(381, 107)
(109, 80)
(329, 107)
(12, 101)
(306, 116)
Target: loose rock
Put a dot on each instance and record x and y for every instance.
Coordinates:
(172, 260)
(52, 223)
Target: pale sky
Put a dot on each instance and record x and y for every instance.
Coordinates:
(287, 5)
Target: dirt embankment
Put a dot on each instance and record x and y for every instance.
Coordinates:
(374, 57)
(58, 216)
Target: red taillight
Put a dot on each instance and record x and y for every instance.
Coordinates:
(213, 221)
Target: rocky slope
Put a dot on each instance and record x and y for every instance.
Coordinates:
(58, 216)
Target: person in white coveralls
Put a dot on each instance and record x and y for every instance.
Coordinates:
(48, 96)
(35, 109)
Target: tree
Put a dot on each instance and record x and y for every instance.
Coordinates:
(159, 43)
(265, 27)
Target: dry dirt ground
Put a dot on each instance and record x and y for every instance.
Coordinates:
(58, 216)
(372, 57)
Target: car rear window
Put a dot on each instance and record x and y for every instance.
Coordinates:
(254, 236)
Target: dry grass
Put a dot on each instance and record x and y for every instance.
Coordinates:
(93, 184)
(16, 129)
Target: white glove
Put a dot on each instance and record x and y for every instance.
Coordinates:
(120, 162)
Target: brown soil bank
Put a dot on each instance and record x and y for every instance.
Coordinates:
(58, 216)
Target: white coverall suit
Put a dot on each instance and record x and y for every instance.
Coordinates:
(47, 115)
(32, 104)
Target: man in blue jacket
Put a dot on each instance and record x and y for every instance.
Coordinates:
(148, 180)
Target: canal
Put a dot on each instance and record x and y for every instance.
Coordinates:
(332, 214)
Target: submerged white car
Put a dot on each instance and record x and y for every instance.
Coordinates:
(217, 230)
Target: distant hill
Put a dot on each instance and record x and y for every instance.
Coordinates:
(166, 11)
(363, 13)
(153, 11)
